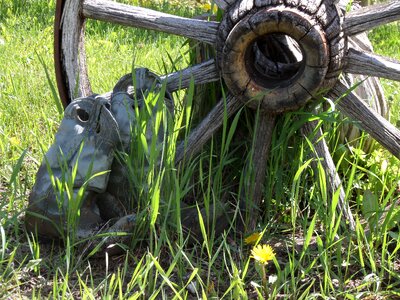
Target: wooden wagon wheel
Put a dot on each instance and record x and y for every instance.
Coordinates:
(314, 36)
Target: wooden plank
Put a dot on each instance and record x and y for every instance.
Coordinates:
(264, 129)
(110, 11)
(368, 120)
(201, 73)
(368, 17)
(208, 126)
(322, 153)
(369, 64)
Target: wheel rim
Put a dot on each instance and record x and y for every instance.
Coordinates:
(62, 89)
(69, 50)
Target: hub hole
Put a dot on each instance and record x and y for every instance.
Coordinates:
(274, 60)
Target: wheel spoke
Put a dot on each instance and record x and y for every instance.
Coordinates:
(201, 73)
(322, 153)
(376, 125)
(366, 18)
(264, 130)
(370, 64)
(104, 10)
(203, 132)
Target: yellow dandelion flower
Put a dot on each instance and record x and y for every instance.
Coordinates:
(15, 141)
(252, 238)
(207, 7)
(262, 253)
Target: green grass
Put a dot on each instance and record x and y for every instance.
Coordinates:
(388, 45)
(315, 256)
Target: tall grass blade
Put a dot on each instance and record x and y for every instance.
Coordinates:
(309, 235)
(155, 201)
(17, 168)
(57, 100)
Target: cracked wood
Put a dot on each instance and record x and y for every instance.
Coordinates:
(370, 121)
(366, 18)
(103, 10)
(365, 63)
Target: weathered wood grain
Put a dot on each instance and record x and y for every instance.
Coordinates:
(73, 50)
(370, 91)
(202, 73)
(368, 120)
(240, 9)
(264, 3)
(322, 153)
(264, 129)
(368, 17)
(203, 132)
(110, 11)
(366, 63)
(285, 51)
(310, 6)
(245, 77)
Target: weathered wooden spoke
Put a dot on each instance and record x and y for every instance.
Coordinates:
(208, 126)
(200, 74)
(366, 63)
(377, 126)
(366, 18)
(111, 11)
(322, 153)
(264, 130)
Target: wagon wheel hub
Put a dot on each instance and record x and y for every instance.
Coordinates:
(277, 56)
